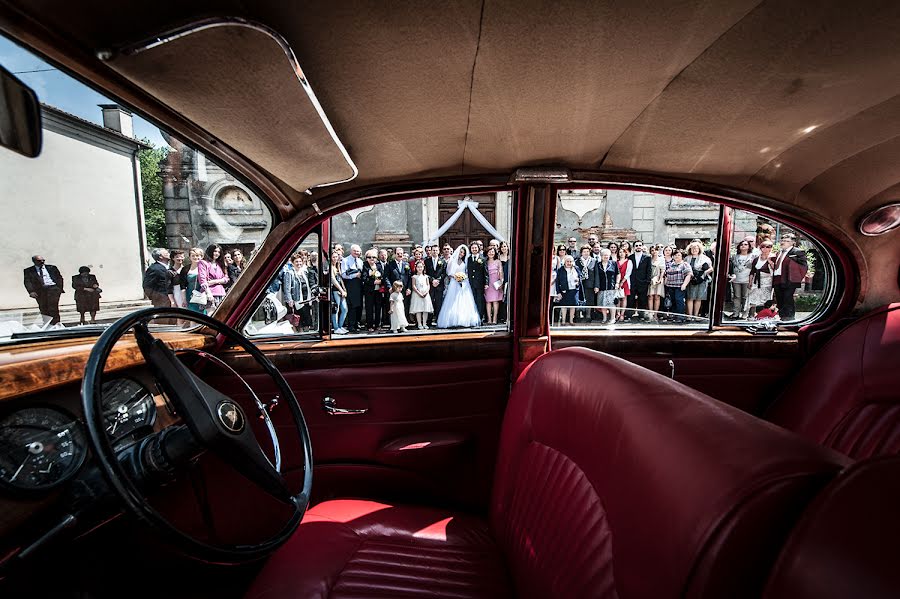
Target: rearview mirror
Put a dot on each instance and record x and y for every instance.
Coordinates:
(20, 116)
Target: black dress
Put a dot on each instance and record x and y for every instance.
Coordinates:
(87, 299)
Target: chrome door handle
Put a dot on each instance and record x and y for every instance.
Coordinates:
(329, 404)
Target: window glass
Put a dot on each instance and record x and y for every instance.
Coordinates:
(632, 259)
(114, 215)
(291, 302)
(775, 273)
(433, 264)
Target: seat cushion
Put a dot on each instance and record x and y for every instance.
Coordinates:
(845, 397)
(354, 548)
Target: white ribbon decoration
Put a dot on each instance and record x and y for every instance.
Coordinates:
(464, 204)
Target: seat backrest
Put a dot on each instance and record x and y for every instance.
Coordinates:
(613, 480)
(847, 396)
(848, 542)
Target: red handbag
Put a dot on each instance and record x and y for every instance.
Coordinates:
(294, 319)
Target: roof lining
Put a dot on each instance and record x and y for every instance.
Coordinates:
(462, 166)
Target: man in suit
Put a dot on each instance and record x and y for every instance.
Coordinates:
(372, 284)
(436, 268)
(477, 273)
(351, 272)
(382, 296)
(790, 270)
(398, 270)
(156, 279)
(44, 283)
(641, 271)
(573, 250)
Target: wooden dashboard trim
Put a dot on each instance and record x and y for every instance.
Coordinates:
(39, 366)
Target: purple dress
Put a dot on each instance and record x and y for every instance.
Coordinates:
(495, 273)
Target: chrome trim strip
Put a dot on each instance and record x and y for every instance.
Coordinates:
(165, 37)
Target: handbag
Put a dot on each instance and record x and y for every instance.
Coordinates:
(620, 293)
(198, 297)
(294, 319)
(667, 303)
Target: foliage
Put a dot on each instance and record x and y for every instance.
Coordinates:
(151, 187)
(807, 302)
(810, 262)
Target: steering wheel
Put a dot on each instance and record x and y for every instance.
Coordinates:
(211, 421)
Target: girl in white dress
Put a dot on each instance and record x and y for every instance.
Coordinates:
(458, 309)
(420, 303)
(397, 309)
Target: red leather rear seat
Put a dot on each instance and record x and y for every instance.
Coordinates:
(848, 542)
(847, 396)
(611, 480)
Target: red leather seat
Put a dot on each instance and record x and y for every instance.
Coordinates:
(611, 480)
(847, 396)
(848, 542)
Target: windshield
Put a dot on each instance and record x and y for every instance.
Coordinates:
(114, 215)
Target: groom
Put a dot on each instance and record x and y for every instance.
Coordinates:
(477, 272)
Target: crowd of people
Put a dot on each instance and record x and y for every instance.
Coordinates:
(434, 287)
(630, 281)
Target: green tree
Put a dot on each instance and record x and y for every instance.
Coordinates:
(151, 186)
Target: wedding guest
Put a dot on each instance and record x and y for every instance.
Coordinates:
(436, 269)
(297, 289)
(417, 255)
(420, 305)
(592, 241)
(678, 277)
(177, 284)
(623, 289)
(770, 310)
(213, 276)
(607, 278)
(572, 249)
(760, 278)
(228, 264)
(338, 295)
(739, 275)
(627, 247)
(87, 293)
(641, 273)
(613, 248)
(398, 271)
(339, 248)
(495, 243)
(480, 248)
(504, 260)
(790, 270)
(493, 293)
(397, 308)
(236, 268)
(657, 288)
(701, 270)
(192, 279)
(373, 283)
(568, 283)
(351, 272)
(590, 281)
(477, 278)
(44, 283)
(382, 297)
(156, 279)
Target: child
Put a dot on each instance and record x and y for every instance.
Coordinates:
(397, 309)
(420, 303)
(770, 310)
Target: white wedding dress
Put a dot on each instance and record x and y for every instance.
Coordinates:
(458, 308)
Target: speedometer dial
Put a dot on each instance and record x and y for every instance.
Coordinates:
(127, 407)
(39, 448)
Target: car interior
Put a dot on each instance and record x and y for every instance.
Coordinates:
(253, 449)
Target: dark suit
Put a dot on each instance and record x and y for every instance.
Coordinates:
(47, 295)
(640, 282)
(156, 285)
(372, 290)
(590, 283)
(382, 297)
(436, 268)
(477, 273)
(399, 271)
(793, 270)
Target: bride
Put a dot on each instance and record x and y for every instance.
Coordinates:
(458, 309)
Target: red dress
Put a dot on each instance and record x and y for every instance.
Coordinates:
(623, 270)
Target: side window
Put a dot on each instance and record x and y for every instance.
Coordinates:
(632, 259)
(774, 272)
(433, 264)
(291, 302)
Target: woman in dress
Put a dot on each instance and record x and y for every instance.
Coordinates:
(568, 285)
(87, 293)
(739, 274)
(701, 269)
(504, 260)
(623, 287)
(608, 278)
(192, 280)
(213, 276)
(338, 295)
(420, 304)
(657, 286)
(760, 278)
(494, 293)
(458, 308)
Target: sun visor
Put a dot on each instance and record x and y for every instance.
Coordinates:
(241, 82)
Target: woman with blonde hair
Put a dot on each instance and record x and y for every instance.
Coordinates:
(193, 283)
(701, 269)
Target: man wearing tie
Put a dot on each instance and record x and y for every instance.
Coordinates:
(381, 297)
(790, 271)
(351, 272)
(44, 283)
(477, 273)
(398, 270)
(641, 271)
(436, 268)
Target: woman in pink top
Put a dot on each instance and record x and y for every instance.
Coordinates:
(211, 275)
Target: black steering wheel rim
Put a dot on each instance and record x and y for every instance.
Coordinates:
(120, 480)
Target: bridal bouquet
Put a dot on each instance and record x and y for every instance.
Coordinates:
(460, 277)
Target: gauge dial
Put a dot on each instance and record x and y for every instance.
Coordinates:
(39, 448)
(127, 407)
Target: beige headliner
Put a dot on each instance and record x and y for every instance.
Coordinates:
(717, 90)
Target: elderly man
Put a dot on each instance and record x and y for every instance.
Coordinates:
(44, 283)
(351, 272)
(156, 279)
(790, 270)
